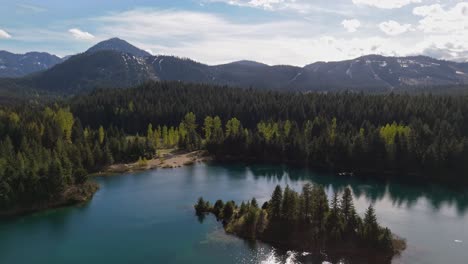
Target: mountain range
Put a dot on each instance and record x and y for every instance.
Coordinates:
(18, 65)
(117, 63)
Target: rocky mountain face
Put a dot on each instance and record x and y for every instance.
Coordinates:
(119, 45)
(116, 63)
(18, 65)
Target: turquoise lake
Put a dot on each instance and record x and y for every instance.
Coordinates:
(148, 217)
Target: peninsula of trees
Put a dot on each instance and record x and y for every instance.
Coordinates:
(46, 156)
(307, 222)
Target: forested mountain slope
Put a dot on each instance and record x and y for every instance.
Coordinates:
(19, 65)
(116, 63)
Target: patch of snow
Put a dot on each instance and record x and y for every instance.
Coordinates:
(140, 61)
(458, 241)
(160, 66)
(349, 73)
(124, 57)
(383, 64)
(2, 67)
(459, 72)
(295, 77)
(403, 63)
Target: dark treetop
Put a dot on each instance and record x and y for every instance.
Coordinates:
(307, 221)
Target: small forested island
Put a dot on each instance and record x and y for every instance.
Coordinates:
(49, 146)
(307, 222)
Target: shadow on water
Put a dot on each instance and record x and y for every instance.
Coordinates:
(400, 193)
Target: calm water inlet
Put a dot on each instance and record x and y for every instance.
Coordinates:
(148, 217)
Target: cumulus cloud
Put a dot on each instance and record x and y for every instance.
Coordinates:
(213, 39)
(393, 28)
(436, 19)
(80, 35)
(4, 34)
(386, 4)
(351, 25)
(446, 30)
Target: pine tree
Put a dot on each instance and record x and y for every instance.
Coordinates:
(306, 203)
(276, 202)
(109, 159)
(290, 204)
(320, 205)
(371, 228)
(348, 211)
(218, 208)
(228, 210)
(254, 203)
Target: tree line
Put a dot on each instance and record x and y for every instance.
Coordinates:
(394, 134)
(47, 147)
(45, 151)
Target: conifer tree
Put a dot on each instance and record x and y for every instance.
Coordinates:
(276, 203)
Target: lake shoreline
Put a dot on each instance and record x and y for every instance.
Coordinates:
(79, 194)
(170, 159)
(308, 222)
(72, 195)
(381, 175)
(354, 255)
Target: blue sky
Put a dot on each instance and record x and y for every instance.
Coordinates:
(294, 32)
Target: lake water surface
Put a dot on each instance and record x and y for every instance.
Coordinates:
(148, 217)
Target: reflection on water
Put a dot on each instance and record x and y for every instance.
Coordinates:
(148, 217)
(401, 194)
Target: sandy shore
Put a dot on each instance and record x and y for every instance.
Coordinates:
(168, 159)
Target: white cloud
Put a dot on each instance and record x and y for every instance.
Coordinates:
(267, 4)
(445, 29)
(4, 34)
(435, 19)
(31, 8)
(81, 35)
(298, 6)
(393, 28)
(386, 4)
(351, 25)
(212, 39)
